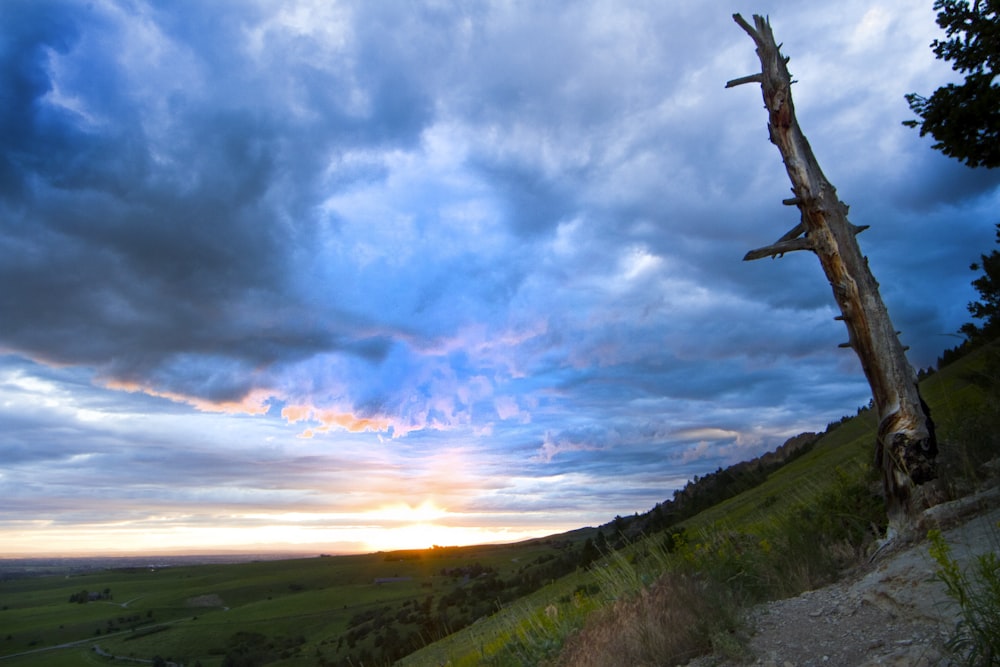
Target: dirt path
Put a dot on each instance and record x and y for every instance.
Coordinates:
(892, 612)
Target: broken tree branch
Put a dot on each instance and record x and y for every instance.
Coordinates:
(753, 78)
(779, 248)
(789, 242)
(796, 231)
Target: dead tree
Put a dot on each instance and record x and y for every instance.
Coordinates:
(906, 446)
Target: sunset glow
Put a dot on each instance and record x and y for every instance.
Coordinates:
(378, 530)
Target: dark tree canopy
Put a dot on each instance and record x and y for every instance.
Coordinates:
(964, 119)
(988, 309)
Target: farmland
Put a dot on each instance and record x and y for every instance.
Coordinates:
(304, 611)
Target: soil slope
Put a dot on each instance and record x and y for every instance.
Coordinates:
(894, 611)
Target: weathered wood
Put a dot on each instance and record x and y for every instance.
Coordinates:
(794, 232)
(779, 248)
(753, 78)
(906, 446)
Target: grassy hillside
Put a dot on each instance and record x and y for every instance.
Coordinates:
(802, 523)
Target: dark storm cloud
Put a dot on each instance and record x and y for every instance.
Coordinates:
(534, 206)
(155, 257)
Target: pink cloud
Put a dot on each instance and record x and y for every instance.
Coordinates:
(256, 402)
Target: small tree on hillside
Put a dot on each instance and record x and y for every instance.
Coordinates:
(906, 447)
(964, 118)
(987, 310)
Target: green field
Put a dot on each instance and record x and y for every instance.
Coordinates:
(307, 610)
(375, 609)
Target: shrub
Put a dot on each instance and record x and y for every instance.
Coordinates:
(977, 636)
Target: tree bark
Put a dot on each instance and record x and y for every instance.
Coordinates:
(906, 446)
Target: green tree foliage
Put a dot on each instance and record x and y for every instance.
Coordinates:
(988, 309)
(589, 553)
(964, 119)
(85, 596)
(247, 649)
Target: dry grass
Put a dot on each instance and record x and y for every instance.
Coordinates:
(668, 623)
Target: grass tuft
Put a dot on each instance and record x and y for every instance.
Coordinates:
(976, 640)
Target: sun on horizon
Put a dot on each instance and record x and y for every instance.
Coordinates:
(389, 527)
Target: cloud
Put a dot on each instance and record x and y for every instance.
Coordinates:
(551, 448)
(512, 231)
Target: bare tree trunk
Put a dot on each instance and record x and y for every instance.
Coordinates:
(906, 448)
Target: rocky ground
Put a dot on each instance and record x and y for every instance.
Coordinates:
(893, 611)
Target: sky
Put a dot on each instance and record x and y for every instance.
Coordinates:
(360, 275)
